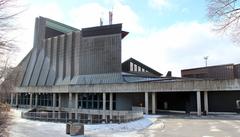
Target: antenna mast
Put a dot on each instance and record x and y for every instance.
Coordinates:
(110, 17)
(205, 58)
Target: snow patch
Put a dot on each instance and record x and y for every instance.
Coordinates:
(30, 128)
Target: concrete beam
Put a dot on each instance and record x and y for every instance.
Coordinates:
(146, 102)
(170, 86)
(198, 103)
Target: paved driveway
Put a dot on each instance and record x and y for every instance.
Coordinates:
(212, 126)
(185, 126)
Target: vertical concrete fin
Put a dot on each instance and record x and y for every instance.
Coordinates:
(55, 57)
(45, 67)
(37, 68)
(68, 56)
(60, 61)
(52, 71)
(72, 55)
(77, 51)
(30, 68)
(23, 68)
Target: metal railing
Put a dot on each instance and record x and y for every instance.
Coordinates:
(86, 116)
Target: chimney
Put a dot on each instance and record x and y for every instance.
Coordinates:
(169, 74)
(110, 17)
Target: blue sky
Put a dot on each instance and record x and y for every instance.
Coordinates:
(164, 34)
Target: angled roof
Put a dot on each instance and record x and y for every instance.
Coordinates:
(138, 63)
(59, 26)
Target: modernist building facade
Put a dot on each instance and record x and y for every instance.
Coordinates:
(70, 69)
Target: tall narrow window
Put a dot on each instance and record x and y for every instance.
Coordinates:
(139, 69)
(135, 67)
(131, 66)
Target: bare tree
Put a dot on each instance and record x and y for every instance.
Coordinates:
(8, 11)
(225, 15)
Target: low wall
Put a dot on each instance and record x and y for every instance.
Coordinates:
(84, 116)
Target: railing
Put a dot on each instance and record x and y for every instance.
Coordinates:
(136, 108)
(86, 116)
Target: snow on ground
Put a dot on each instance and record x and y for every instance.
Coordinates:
(30, 128)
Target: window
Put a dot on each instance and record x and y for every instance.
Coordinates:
(131, 66)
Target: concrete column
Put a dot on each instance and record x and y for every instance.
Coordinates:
(146, 102)
(70, 104)
(54, 104)
(36, 100)
(30, 101)
(59, 101)
(104, 107)
(153, 103)
(111, 104)
(70, 100)
(76, 104)
(16, 99)
(54, 100)
(206, 101)
(59, 105)
(198, 103)
(11, 99)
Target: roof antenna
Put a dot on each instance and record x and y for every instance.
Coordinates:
(110, 17)
(205, 58)
(101, 22)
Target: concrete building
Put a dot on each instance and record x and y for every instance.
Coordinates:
(71, 70)
(227, 71)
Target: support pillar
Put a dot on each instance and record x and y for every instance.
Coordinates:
(206, 101)
(30, 101)
(153, 103)
(11, 99)
(111, 105)
(17, 100)
(54, 105)
(70, 104)
(76, 105)
(36, 100)
(104, 107)
(146, 102)
(59, 105)
(198, 103)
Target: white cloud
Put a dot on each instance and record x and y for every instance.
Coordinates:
(88, 15)
(180, 46)
(26, 21)
(159, 4)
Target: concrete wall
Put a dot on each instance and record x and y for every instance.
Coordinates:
(64, 100)
(223, 101)
(177, 101)
(125, 101)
